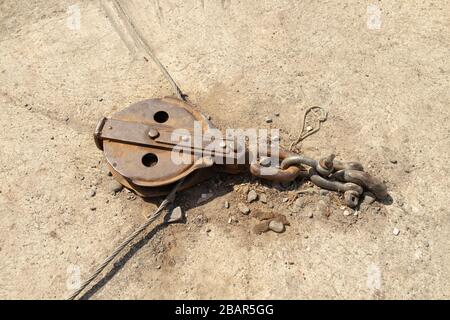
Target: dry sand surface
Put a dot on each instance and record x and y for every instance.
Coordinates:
(381, 70)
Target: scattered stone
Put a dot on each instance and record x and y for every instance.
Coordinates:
(268, 119)
(324, 192)
(252, 196)
(243, 208)
(276, 226)
(204, 198)
(233, 219)
(323, 208)
(226, 205)
(109, 174)
(93, 208)
(158, 267)
(393, 161)
(285, 199)
(396, 232)
(309, 128)
(92, 192)
(277, 114)
(131, 197)
(369, 198)
(176, 215)
(265, 161)
(310, 215)
(263, 198)
(261, 227)
(114, 187)
(347, 213)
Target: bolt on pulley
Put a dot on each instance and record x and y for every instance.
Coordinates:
(152, 144)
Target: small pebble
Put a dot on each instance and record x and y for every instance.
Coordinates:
(176, 215)
(277, 114)
(396, 232)
(114, 187)
(263, 198)
(243, 208)
(285, 199)
(93, 208)
(232, 219)
(369, 198)
(347, 213)
(276, 226)
(298, 203)
(265, 161)
(310, 215)
(393, 161)
(252, 196)
(92, 192)
(204, 197)
(226, 204)
(268, 119)
(309, 128)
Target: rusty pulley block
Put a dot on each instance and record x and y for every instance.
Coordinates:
(153, 144)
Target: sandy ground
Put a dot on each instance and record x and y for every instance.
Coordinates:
(382, 75)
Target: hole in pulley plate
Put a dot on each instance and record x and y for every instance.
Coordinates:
(149, 159)
(161, 116)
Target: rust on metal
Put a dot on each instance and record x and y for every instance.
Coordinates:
(138, 143)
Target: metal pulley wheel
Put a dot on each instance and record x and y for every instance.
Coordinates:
(137, 143)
